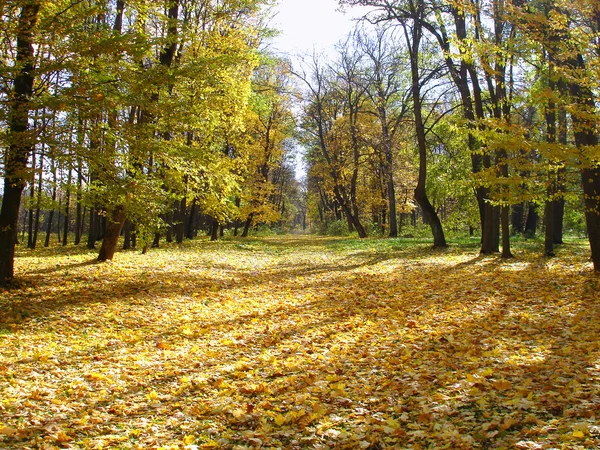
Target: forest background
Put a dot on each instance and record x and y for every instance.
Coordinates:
(163, 120)
(182, 298)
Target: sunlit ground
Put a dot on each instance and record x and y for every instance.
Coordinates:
(298, 343)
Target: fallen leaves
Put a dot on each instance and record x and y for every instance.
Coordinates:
(300, 343)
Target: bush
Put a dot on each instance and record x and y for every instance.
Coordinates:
(338, 228)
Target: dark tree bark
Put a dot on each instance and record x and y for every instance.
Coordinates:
(505, 225)
(549, 213)
(236, 222)
(20, 140)
(32, 196)
(127, 234)
(214, 230)
(247, 225)
(180, 226)
(517, 217)
(490, 241)
(38, 206)
(192, 221)
(532, 221)
(413, 37)
(170, 225)
(93, 229)
(111, 234)
(584, 126)
(559, 203)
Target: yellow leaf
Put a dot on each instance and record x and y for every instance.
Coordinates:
(502, 385)
(7, 431)
(578, 434)
(238, 413)
(279, 420)
(487, 372)
(189, 440)
(62, 437)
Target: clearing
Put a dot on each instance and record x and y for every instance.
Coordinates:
(301, 343)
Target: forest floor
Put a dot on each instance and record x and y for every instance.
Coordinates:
(301, 343)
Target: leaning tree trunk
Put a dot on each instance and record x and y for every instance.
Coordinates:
(21, 143)
(429, 213)
(247, 225)
(111, 235)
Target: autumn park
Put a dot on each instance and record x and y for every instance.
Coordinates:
(208, 243)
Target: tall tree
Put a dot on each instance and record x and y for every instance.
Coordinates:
(321, 113)
(21, 141)
(386, 86)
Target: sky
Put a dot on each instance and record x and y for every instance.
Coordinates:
(311, 24)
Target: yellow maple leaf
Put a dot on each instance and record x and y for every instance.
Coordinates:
(279, 419)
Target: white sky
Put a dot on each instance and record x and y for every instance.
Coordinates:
(311, 24)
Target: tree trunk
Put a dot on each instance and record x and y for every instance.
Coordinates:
(79, 214)
(51, 215)
(93, 229)
(505, 222)
(49, 227)
(214, 230)
(180, 227)
(429, 213)
(192, 220)
(517, 217)
(549, 235)
(532, 221)
(31, 215)
(247, 225)
(127, 234)
(67, 208)
(489, 239)
(591, 192)
(20, 142)
(111, 234)
(156, 241)
(169, 220)
(559, 204)
(584, 125)
(38, 206)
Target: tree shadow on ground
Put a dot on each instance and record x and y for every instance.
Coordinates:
(414, 345)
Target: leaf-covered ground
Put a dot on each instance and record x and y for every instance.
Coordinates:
(301, 343)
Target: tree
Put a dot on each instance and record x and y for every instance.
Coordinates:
(322, 110)
(20, 139)
(385, 81)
